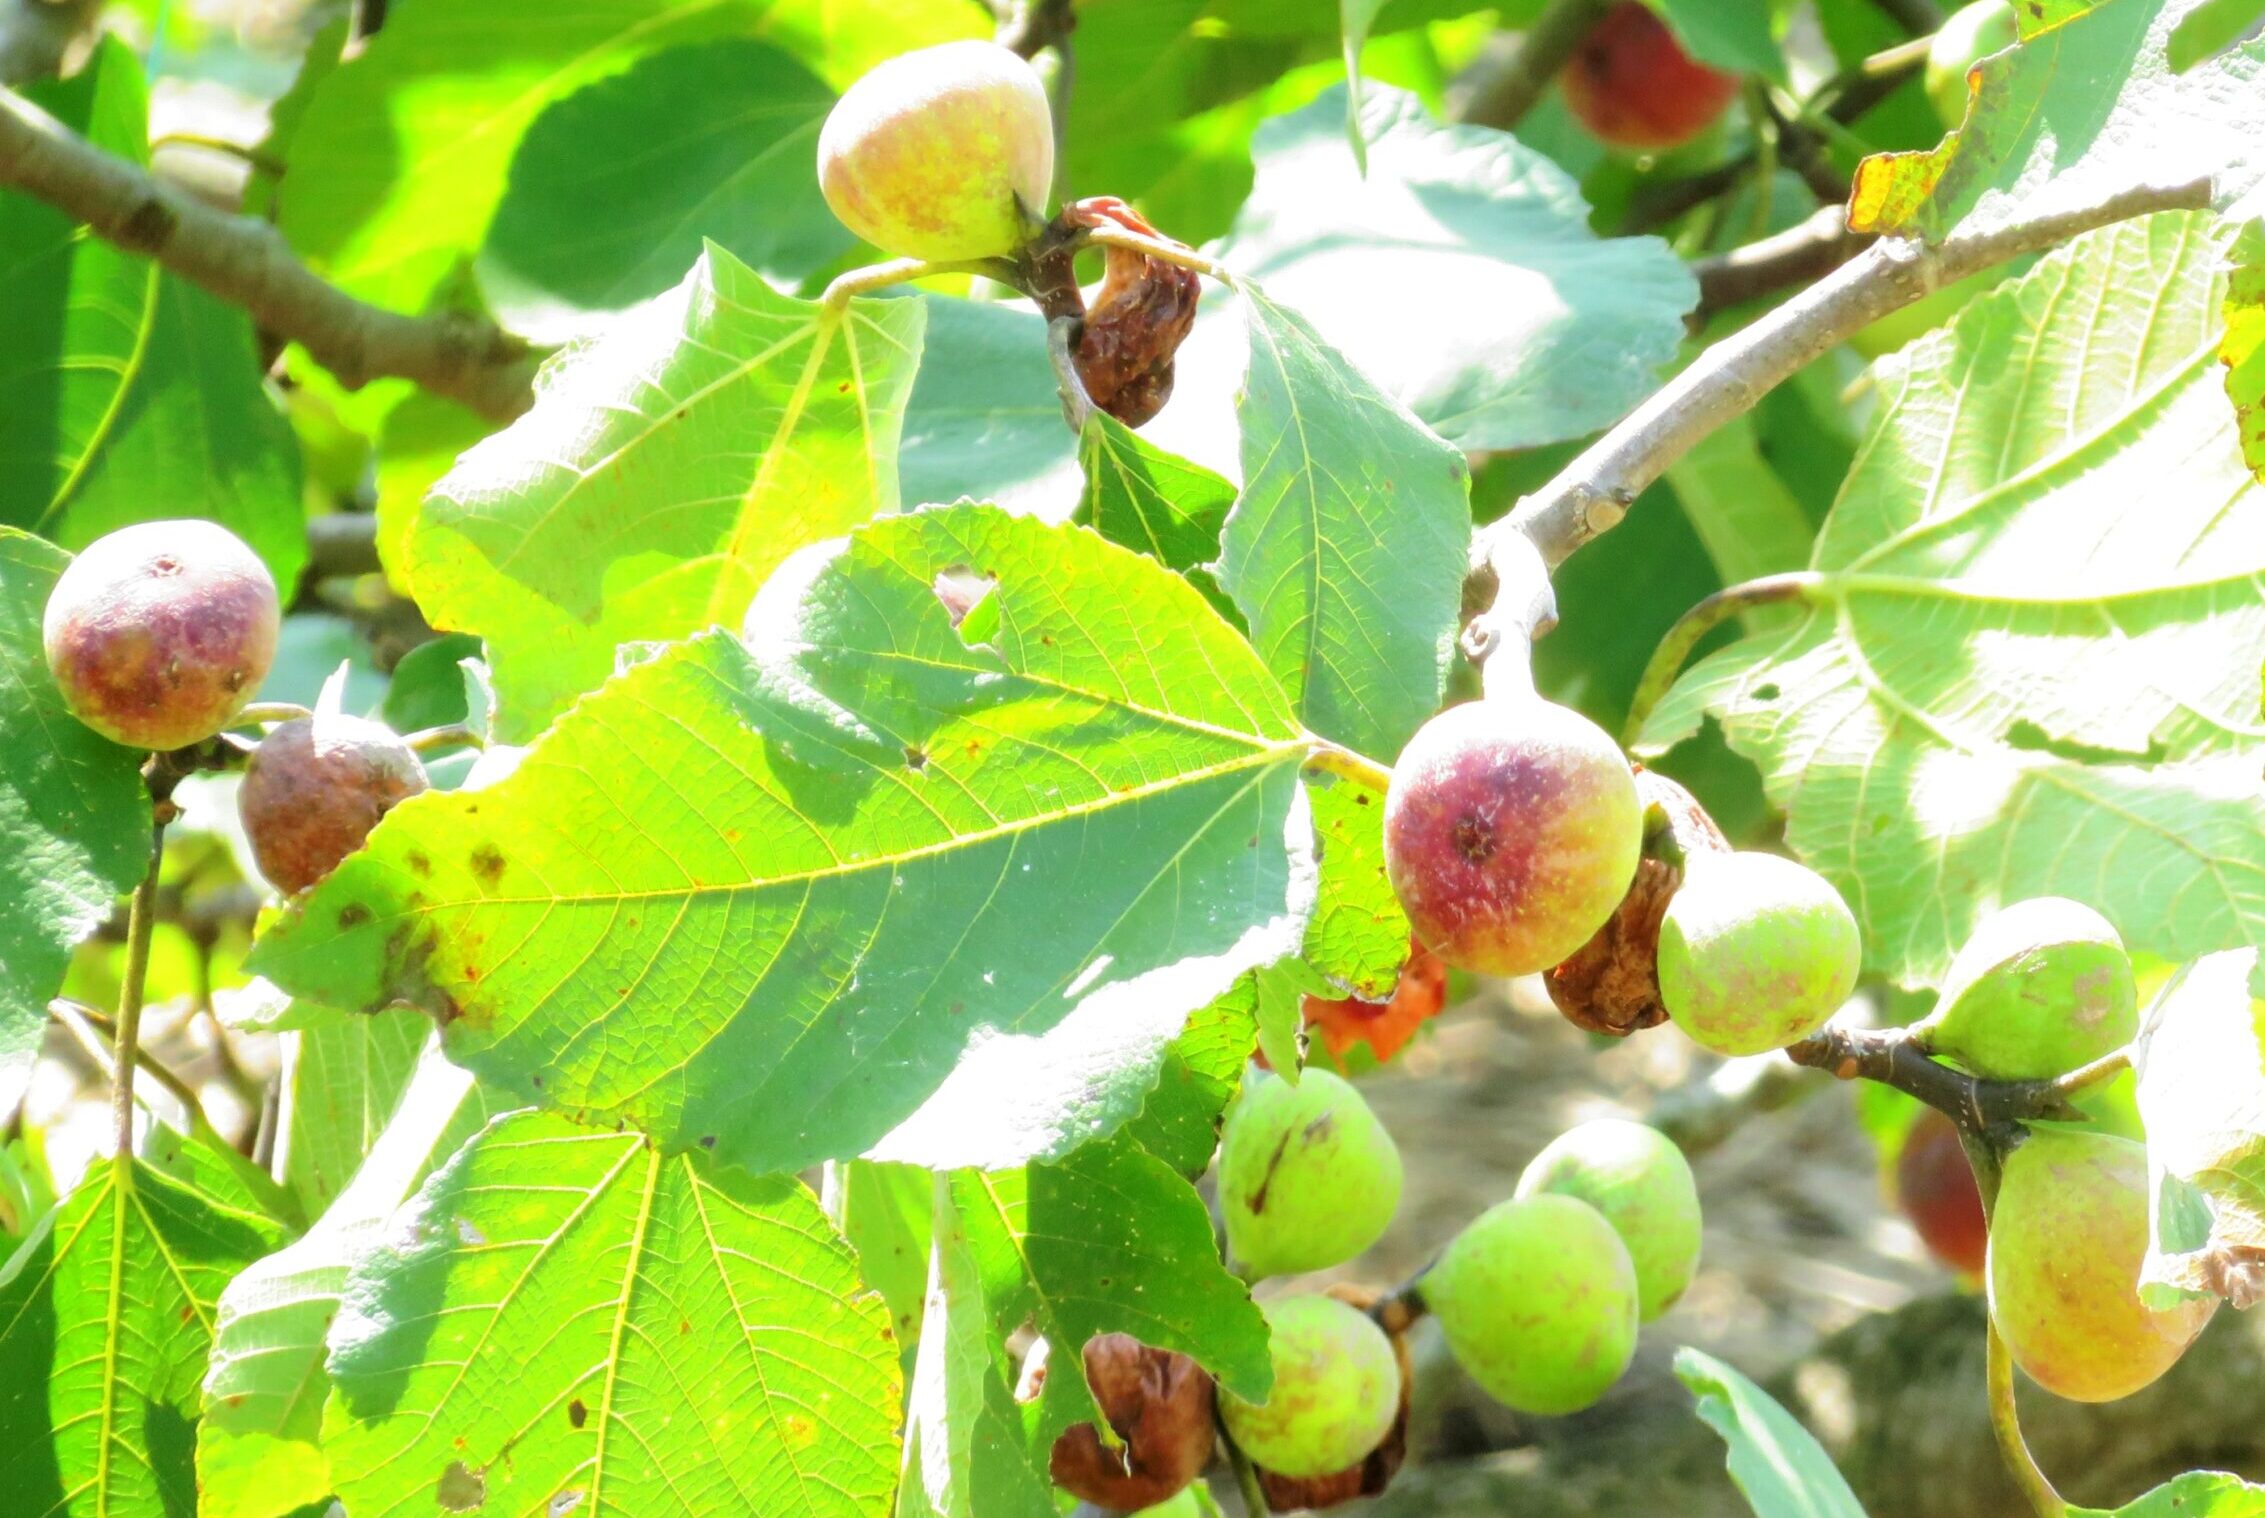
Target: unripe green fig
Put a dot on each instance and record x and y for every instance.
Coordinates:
(159, 633)
(1640, 1181)
(1755, 952)
(1969, 36)
(1336, 1390)
(1539, 1303)
(945, 153)
(315, 787)
(1511, 832)
(2041, 987)
(1308, 1177)
(2066, 1243)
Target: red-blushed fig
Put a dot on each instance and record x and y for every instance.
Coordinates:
(315, 787)
(1373, 1472)
(1308, 1177)
(1511, 832)
(1160, 1405)
(1639, 1180)
(1538, 1302)
(159, 633)
(2041, 987)
(1631, 83)
(1755, 952)
(1336, 1390)
(1384, 1027)
(944, 153)
(1971, 34)
(1935, 1189)
(1610, 984)
(2066, 1244)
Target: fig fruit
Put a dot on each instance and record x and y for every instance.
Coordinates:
(1640, 1182)
(1336, 1390)
(1372, 1474)
(1970, 35)
(1631, 83)
(1935, 1189)
(2066, 1244)
(2041, 987)
(1511, 832)
(1755, 952)
(1160, 1404)
(159, 633)
(1538, 1301)
(1308, 1178)
(944, 153)
(315, 787)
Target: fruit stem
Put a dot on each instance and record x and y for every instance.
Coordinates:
(1332, 759)
(896, 271)
(2106, 1067)
(1667, 659)
(140, 920)
(2005, 1421)
(1520, 606)
(454, 735)
(268, 713)
(1156, 248)
(1246, 1476)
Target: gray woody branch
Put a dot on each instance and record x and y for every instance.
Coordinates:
(246, 262)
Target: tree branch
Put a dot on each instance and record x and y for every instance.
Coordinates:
(1502, 96)
(1594, 492)
(246, 262)
(1801, 254)
(1893, 1057)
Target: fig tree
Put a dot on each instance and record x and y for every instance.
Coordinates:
(159, 633)
(2041, 987)
(1308, 1177)
(943, 153)
(1511, 832)
(1755, 951)
(2066, 1244)
(1160, 1405)
(1935, 1188)
(1970, 35)
(1631, 83)
(1539, 1303)
(315, 787)
(1336, 1390)
(1640, 1182)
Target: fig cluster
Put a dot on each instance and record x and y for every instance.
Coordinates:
(158, 634)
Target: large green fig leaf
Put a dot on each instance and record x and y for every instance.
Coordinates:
(259, 1448)
(665, 470)
(126, 393)
(401, 154)
(2090, 106)
(2201, 1064)
(567, 1319)
(74, 816)
(106, 1316)
(2027, 661)
(870, 883)
(1347, 547)
(341, 1077)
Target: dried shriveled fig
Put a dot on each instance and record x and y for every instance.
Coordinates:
(1160, 1405)
(313, 790)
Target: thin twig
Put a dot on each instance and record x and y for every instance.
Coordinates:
(90, 1027)
(1799, 255)
(246, 262)
(2005, 1422)
(1246, 1477)
(1691, 629)
(141, 919)
(1893, 1057)
(1594, 492)
(1327, 758)
(1503, 95)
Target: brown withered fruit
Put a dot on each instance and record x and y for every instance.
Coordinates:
(1610, 984)
(1374, 1472)
(1160, 1405)
(315, 787)
(1143, 311)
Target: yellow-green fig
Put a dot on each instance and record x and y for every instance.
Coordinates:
(1755, 952)
(1308, 1177)
(2041, 987)
(1336, 1390)
(1538, 1301)
(2067, 1240)
(1640, 1181)
(945, 153)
